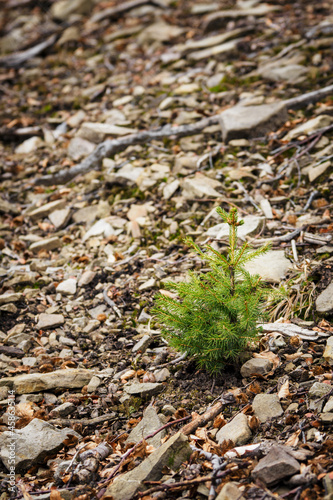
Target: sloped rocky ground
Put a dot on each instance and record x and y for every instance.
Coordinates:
(123, 126)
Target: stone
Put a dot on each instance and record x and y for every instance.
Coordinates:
(149, 423)
(230, 491)
(100, 228)
(94, 383)
(86, 214)
(8, 208)
(62, 410)
(328, 408)
(324, 301)
(147, 285)
(267, 406)
(61, 379)
(46, 244)
(318, 170)
(220, 18)
(172, 453)
(159, 32)
(223, 48)
(276, 465)
(252, 224)
(9, 297)
(45, 210)
(67, 287)
(266, 208)
(161, 375)
(292, 73)
(46, 321)
(142, 344)
(60, 218)
(318, 390)
(243, 122)
(33, 444)
(272, 266)
(29, 146)
(170, 189)
(65, 8)
(326, 418)
(237, 430)
(144, 390)
(96, 132)
(79, 148)
(328, 352)
(309, 127)
(256, 366)
(200, 186)
(9, 308)
(86, 278)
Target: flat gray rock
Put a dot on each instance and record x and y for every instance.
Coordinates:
(318, 390)
(144, 390)
(237, 430)
(149, 423)
(272, 266)
(79, 148)
(9, 297)
(256, 366)
(267, 406)
(59, 218)
(292, 73)
(45, 210)
(218, 19)
(243, 122)
(37, 382)
(324, 301)
(34, 443)
(276, 465)
(172, 453)
(46, 244)
(46, 321)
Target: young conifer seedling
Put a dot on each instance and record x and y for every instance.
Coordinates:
(215, 314)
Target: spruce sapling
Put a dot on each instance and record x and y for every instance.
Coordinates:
(215, 314)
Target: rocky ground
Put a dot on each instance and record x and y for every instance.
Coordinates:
(123, 126)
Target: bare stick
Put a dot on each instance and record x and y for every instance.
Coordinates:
(19, 58)
(203, 419)
(112, 146)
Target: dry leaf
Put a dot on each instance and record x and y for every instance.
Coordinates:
(284, 392)
(293, 439)
(253, 422)
(274, 358)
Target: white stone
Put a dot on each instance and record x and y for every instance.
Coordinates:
(29, 146)
(59, 218)
(252, 224)
(100, 228)
(170, 189)
(237, 430)
(310, 126)
(272, 266)
(67, 287)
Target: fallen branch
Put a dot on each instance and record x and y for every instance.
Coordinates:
(203, 419)
(112, 146)
(19, 58)
(309, 98)
(292, 330)
(84, 421)
(186, 484)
